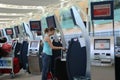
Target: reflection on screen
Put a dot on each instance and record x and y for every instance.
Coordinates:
(102, 44)
(34, 44)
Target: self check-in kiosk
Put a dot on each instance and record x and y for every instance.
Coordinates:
(17, 32)
(102, 58)
(34, 47)
(33, 50)
(102, 51)
(9, 34)
(52, 22)
(33, 57)
(102, 47)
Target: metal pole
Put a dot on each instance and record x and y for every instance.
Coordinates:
(89, 14)
(113, 29)
(93, 28)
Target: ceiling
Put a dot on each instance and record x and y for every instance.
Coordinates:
(30, 2)
(13, 10)
(6, 10)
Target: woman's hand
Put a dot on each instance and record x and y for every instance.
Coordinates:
(63, 48)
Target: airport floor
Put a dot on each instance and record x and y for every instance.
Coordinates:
(22, 75)
(99, 73)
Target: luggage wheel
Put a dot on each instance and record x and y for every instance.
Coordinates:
(12, 75)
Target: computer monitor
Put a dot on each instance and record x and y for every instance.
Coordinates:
(9, 31)
(102, 10)
(51, 21)
(16, 30)
(102, 44)
(118, 41)
(35, 25)
(73, 17)
(34, 44)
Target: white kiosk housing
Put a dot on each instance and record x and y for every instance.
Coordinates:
(102, 51)
(102, 58)
(33, 47)
(33, 57)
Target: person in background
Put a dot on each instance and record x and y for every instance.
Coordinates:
(3, 40)
(47, 51)
(3, 52)
(41, 47)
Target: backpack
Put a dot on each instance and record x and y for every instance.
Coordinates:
(7, 47)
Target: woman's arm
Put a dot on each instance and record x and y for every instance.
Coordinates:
(51, 45)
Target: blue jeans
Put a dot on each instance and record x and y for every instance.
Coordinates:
(46, 61)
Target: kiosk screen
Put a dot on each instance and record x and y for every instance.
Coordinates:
(16, 30)
(51, 21)
(34, 44)
(118, 41)
(9, 31)
(35, 25)
(102, 44)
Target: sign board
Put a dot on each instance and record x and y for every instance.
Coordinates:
(102, 10)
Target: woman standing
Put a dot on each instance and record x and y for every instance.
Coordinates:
(47, 51)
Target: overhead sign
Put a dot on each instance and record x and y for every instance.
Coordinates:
(102, 10)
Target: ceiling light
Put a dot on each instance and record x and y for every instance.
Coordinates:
(11, 14)
(20, 18)
(6, 19)
(17, 6)
(30, 14)
(3, 22)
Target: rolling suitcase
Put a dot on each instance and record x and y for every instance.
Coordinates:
(23, 55)
(49, 76)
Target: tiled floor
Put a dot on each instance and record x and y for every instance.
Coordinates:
(22, 75)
